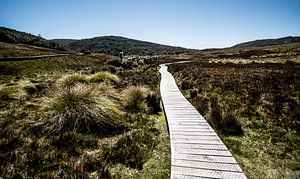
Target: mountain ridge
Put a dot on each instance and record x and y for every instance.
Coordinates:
(115, 45)
(268, 42)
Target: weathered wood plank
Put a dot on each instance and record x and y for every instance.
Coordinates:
(199, 146)
(207, 165)
(208, 173)
(205, 158)
(192, 133)
(186, 123)
(198, 137)
(224, 153)
(192, 142)
(191, 127)
(196, 150)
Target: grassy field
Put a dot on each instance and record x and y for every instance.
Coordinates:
(81, 116)
(254, 107)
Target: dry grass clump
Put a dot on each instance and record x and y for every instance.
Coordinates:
(100, 77)
(226, 123)
(153, 102)
(231, 123)
(201, 103)
(135, 99)
(83, 108)
(139, 99)
(72, 79)
(103, 76)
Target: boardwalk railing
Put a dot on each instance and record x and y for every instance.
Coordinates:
(196, 150)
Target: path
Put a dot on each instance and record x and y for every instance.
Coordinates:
(30, 57)
(196, 150)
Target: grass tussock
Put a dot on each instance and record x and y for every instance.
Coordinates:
(83, 109)
(72, 79)
(103, 76)
(225, 122)
(139, 99)
(100, 77)
(135, 99)
(153, 102)
(231, 125)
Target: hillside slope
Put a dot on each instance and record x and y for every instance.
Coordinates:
(115, 44)
(14, 36)
(268, 42)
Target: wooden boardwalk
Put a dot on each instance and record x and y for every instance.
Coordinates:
(196, 150)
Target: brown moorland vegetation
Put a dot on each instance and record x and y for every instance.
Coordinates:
(254, 107)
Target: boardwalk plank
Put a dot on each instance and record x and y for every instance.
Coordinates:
(205, 158)
(207, 165)
(209, 173)
(199, 146)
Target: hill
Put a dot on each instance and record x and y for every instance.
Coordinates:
(14, 36)
(115, 44)
(268, 42)
(106, 44)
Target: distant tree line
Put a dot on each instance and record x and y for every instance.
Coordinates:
(14, 36)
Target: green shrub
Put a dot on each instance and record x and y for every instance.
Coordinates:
(85, 109)
(6, 96)
(32, 89)
(215, 114)
(29, 89)
(193, 93)
(116, 63)
(153, 103)
(230, 125)
(8, 70)
(135, 99)
(109, 68)
(226, 124)
(134, 149)
(185, 84)
(90, 163)
(202, 104)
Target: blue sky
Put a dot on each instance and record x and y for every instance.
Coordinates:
(188, 23)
